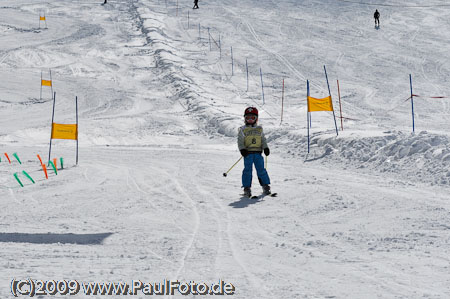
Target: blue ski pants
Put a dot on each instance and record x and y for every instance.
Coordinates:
(258, 160)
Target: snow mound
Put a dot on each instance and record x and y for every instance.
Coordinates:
(423, 156)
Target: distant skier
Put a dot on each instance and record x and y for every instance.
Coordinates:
(376, 16)
(251, 144)
(195, 4)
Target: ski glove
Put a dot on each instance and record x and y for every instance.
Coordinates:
(266, 151)
(244, 152)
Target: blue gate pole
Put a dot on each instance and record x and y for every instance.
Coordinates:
(232, 62)
(246, 66)
(262, 86)
(329, 92)
(220, 47)
(412, 101)
(310, 120)
(209, 38)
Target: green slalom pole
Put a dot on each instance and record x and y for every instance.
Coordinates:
(17, 178)
(28, 176)
(62, 162)
(17, 157)
(53, 166)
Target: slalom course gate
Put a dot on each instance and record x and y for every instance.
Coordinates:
(315, 104)
(63, 131)
(46, 83)
(412, 96)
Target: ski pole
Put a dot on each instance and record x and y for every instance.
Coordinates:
(225, 173)
(265, 166)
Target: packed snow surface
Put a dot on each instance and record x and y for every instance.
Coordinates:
(161, 89)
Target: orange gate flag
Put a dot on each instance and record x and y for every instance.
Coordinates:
(62, 131)
(41, 18)
(46, 82)
(323, 104)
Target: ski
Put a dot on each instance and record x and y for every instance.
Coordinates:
(271, 195)
(260, 196)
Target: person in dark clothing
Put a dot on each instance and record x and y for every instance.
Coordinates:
(195, 4)
(376, 16)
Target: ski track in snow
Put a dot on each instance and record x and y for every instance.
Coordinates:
(364, 215)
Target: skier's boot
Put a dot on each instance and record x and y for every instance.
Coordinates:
(247, 192)
(266, 189)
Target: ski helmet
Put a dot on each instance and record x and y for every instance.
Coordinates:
(251, 115)
(251, 110)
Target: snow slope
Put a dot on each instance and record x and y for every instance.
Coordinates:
(364, 215)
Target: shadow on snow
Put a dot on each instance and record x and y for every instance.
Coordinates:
(244, 202)
(82, 239)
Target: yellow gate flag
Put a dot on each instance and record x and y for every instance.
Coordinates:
(41, 18)
(61, 131)
(323, 104)
(46, 82)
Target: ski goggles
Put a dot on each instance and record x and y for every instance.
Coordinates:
(250, 117)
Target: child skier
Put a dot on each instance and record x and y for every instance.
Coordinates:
(251, 143)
